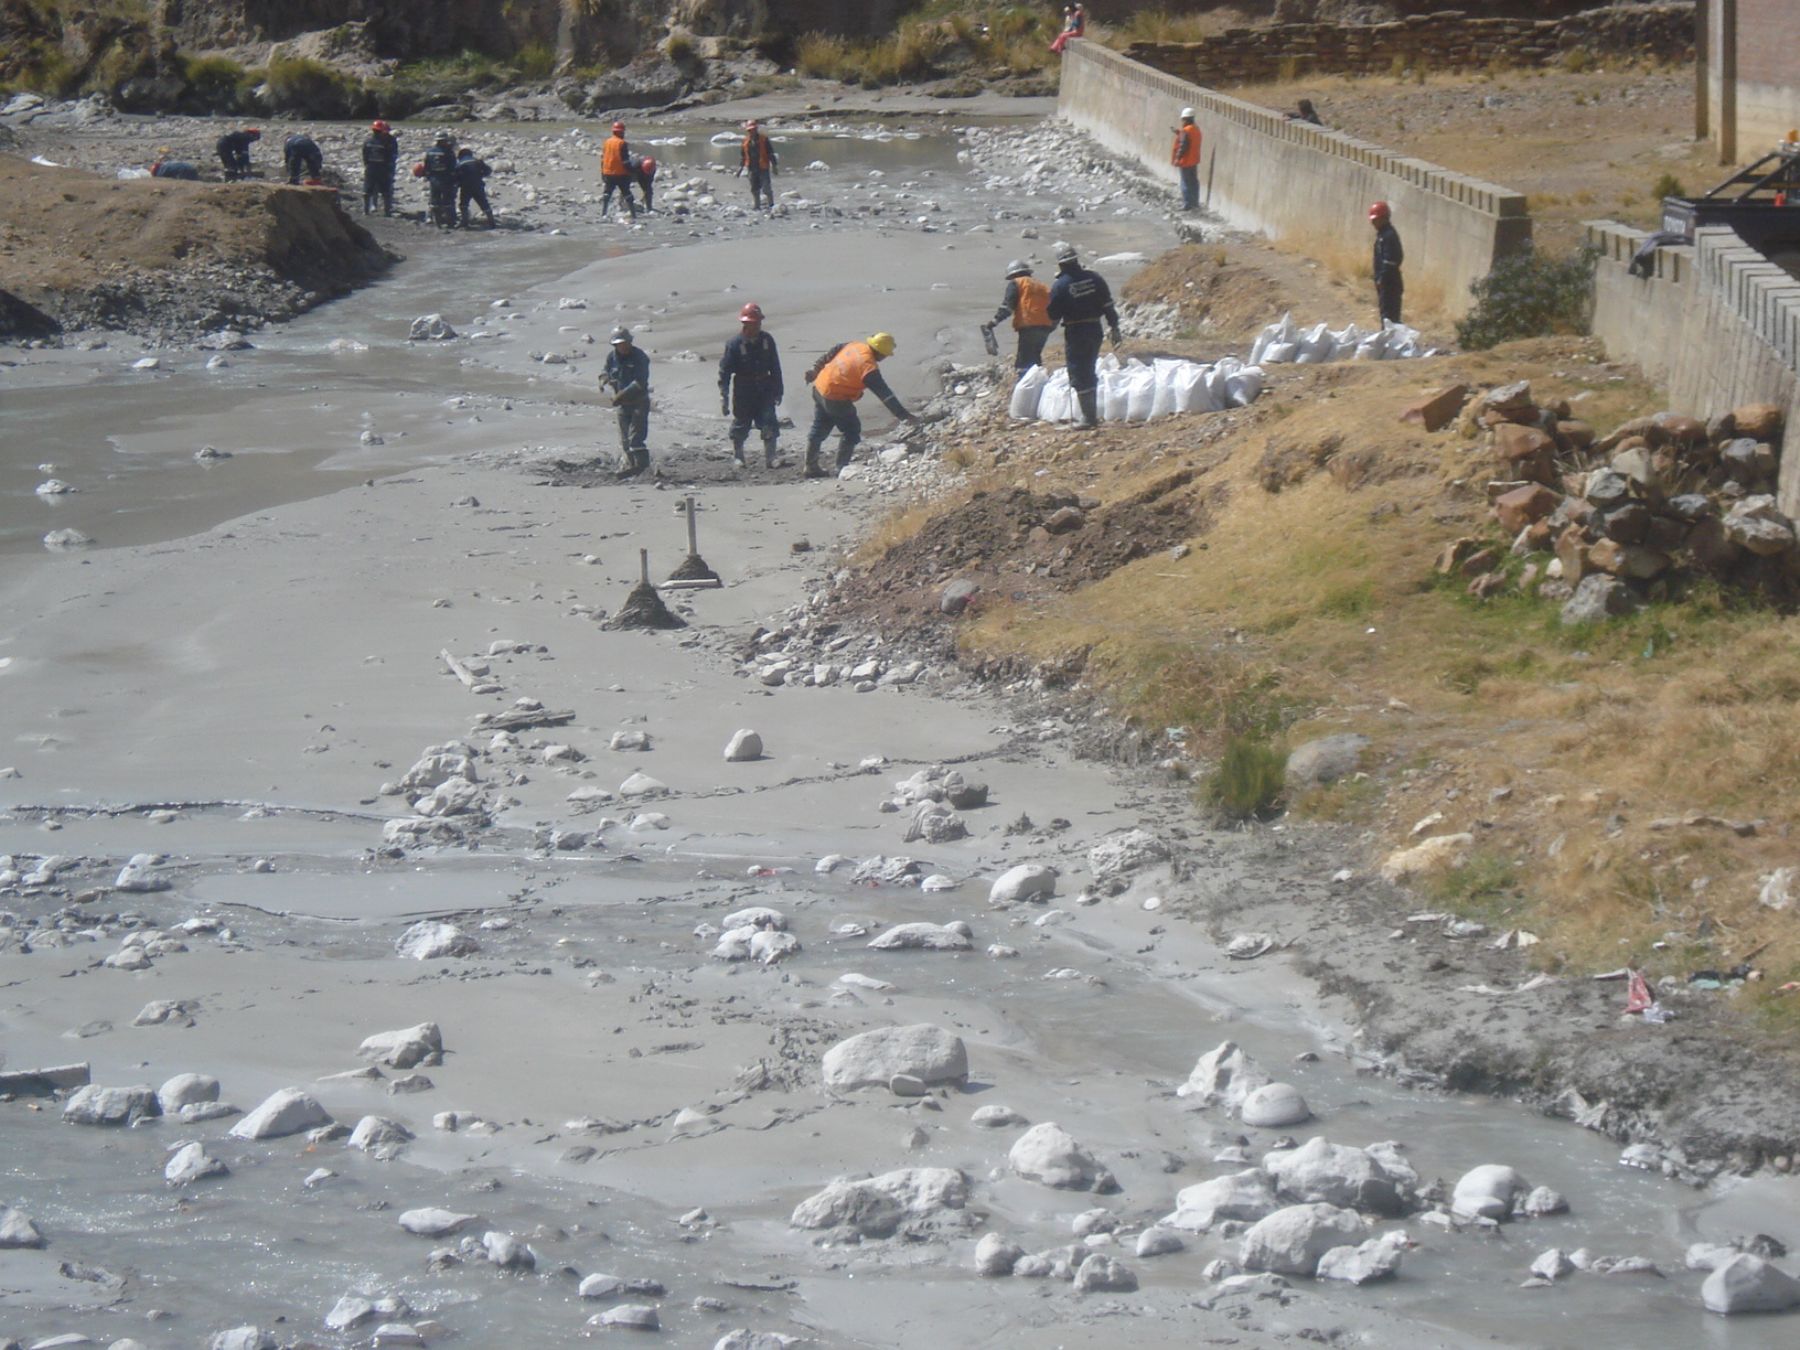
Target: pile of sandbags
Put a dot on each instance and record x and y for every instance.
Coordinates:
(1136, 392)
(1282, 342)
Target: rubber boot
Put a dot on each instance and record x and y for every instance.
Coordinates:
(737, 451)
(771, 460)
(1090, 407)
(814, 469)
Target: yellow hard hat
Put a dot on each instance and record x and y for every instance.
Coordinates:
(882, 344)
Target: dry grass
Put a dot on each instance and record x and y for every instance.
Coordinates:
(1314, 609)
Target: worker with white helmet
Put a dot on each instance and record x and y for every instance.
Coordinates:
(1027, 301)
(750, 385)
(1079, 301)
(1186, 159)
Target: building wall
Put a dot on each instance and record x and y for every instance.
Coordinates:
(1295, 182)
(1748, 76)
(1717, 325)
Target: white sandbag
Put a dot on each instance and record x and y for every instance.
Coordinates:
(1245, 386)
(1282, 331)
(1027, 391)
(1140, 394)
(1277, 353)
(1056, 402)
(1163, 403)
(1190, 388)
(1112, 395)
(1315, 346)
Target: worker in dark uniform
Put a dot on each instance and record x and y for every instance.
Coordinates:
(1389, 287)
(844, 374)
(302, 156)
(1306, 113)
(438, 169)
(234, 152)
(471, 186)
(172, 168)
(643, 173)
(1079, 300)
(628, 375)
(1027, 302)
(758, 156)
(750, 386)
(380, 156)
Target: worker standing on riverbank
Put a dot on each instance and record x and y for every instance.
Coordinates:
(438, 169)
(234, 152)
(1186, 158)
(471, 186)
(1027, 302)
(837, 382)
(750, 386)
(758, 156)
(628, 375)
(303, 158)
(1079, 300)
(1389, 287)
(380, 156)
(615, 171)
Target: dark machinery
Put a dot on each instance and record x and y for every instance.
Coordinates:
(1761, 203)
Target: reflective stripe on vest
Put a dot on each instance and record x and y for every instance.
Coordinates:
(846, 373)
(613, 163)
(1033, 309)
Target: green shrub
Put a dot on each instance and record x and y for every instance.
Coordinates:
(822, 56)
(535, 61)
(1529, 295)
(1578, 61)
(214, 82)
(680, 48)
(309, 88)
(1666, 186)
(1248, 781)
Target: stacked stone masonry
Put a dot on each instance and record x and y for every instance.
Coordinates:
(1451, 40)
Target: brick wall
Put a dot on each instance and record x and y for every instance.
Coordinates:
(1446, 40)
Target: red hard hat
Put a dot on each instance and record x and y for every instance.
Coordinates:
(1378, 211)
(253, 131)
(618, 127)
(379, 125)
(750, 313)
(647, 164)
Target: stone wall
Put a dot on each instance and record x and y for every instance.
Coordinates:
(1295, 182)
(1443, 41)
(1716, 324)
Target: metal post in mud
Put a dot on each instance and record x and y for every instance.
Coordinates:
(693, 574)
(643, 567)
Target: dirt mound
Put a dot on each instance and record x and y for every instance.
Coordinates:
(170, 258)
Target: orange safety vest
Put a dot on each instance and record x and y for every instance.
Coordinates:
(1187, 147)
(846, 373)
(757, 144)
(613, 163)
(1033, 309)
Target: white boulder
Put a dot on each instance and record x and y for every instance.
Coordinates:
(877, 1206)
(1244, 1196)
(429, 940)
(1124, 852)
(1487, 1192)
(1748, 1283)
(873, 1058)
(435, 1223)
(1376, 1259)
(407, 1048)
(1224, 1076)
(1319, 1172)
(744, 746)
(1047, 1153)
(1027, 881)
(284, 1112)
(1291, 1241)
(95, 1105)
(186, 1089)
(1274, 1106)
(191, 1163)
(928, 937)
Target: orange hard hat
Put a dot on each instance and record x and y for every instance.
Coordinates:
(253, 131)
(379, 125)
(750, 313)
(618, 127)
(1378, 211)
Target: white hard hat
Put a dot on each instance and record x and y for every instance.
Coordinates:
(1187, 112)
(1065, 252)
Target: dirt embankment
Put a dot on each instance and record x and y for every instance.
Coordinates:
(169, 258)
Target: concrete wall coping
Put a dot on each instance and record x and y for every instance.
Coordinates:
(1461, 188)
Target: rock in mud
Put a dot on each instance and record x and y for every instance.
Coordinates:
(1376, 1259)
(1291, 1241)
(18, 1230)
(1487, 1192)
(193, 1163)
(1159, 1241)
(1748, 1284)
(876, 1207)
(995, 1256)
(1274, 1106)
(1223, 1076)
(508, 1252)
(1319, 1172)
(1243, 1196)
(995, 1117)
(756, 916)
(872, 1059)
(430, 328)
(429, 940)
(137, 877)
(95, 1105)
(1541, 1202)
(435, 1223)
(407, 1048)
(1048, 1154)
(1325, 760)
(745, 745)
(1429, 858)
(768, 948)
(1552, 1264)
(378, 1134)
(1027, 881)
(935, 823)
(928, 937)
(162, 1011)
(1125, 852)
(284, 1112)
(186, 1089)
(1104, 1275)
(745, 1339)
(243, 1338)
(627, 1317)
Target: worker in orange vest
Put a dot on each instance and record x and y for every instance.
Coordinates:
(837, 382)
(758, 156)
(615, 171)
(1027, 300)
(1186, 158)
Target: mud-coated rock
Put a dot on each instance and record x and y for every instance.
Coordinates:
(431, 941)
(1125, 852)
(18, 1230)
(1487, 1192)
(431, 1222)
(877, 1206)
(96, 1105)
(185, 1089)
(1027, 881)
(1104, 1275)
(1747, 1284)
(1242, 1196)
(191, 1163)
(1224, 1075)
(1325, 760)
(928, 937)
(1376, 1259)
(406, 1048)
(285, 1111)
(1274, 1106)
(995, 1256)
(872, 1059)
(374, 1134)
(1047, 1153)
(1320, 1172)
(1291, 1241)
(745, 745)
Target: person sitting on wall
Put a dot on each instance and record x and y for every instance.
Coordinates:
(1074, 26)
(1307, 113)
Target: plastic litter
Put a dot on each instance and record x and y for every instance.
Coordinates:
(1282, 342)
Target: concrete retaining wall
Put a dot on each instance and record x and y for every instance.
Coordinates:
(1717, 325)
(1296, 182)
